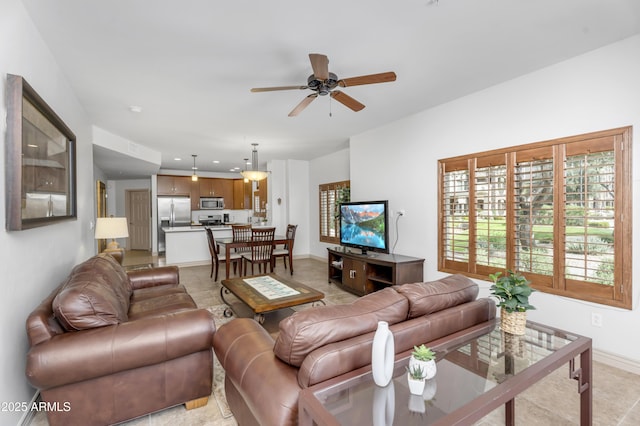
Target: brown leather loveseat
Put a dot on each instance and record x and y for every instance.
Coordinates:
(108, 346)
(263, 377)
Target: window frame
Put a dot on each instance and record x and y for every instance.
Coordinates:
(619, 294)
(328, 219)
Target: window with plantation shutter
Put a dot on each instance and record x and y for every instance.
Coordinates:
(490, 213)
(330, 197)
(558, 211)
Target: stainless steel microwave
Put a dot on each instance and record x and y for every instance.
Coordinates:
(211, 203)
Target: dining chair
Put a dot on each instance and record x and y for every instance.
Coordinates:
(261, 248)
(283, 251)
(241, 233)
(216, 257)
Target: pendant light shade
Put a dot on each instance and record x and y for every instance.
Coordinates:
(194, 176)
(254, 174)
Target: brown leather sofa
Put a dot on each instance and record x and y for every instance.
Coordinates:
(263, 377)
(109, 345)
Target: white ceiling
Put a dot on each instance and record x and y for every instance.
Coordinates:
(189, 64)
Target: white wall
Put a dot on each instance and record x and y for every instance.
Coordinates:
(330, 168)
(596, 91)
(289, 181)
(36, 260)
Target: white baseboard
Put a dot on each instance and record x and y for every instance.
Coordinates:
(617, 361)
(28, 415)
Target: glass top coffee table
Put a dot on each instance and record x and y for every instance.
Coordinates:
(479, 370)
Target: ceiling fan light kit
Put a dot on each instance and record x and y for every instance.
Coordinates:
(254, 174)
(323, 83)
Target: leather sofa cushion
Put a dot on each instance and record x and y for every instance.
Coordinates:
(96, 293)
(88, 301)
(426, 298)
(307, 330)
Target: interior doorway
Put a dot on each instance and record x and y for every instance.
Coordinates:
(138, 211)
(101, 209)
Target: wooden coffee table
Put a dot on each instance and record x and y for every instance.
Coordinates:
(267, 293)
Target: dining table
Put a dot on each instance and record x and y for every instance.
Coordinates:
(229, 244)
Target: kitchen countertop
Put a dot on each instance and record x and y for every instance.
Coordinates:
(196, 228)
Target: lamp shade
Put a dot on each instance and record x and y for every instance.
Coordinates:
(111, 227)
(253, 174)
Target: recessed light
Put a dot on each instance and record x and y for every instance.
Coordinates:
(178, 159)
(216, 162)
(135, 108)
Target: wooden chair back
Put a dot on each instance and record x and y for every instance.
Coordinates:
(241, 233)
(262, 244)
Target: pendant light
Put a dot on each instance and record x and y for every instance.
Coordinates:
(194, 176)
(254, 174)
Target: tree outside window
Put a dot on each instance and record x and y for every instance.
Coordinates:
(558, 211)
(331, 196)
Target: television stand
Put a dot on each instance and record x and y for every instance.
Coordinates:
(363, 273)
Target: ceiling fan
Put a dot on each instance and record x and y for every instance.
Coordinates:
(322, 82)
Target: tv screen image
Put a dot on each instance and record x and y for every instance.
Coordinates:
(364, 225)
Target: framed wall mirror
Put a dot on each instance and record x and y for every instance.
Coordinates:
(40, 161)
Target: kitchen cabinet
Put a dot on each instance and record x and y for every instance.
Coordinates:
(242, 194)
(174, 185)
(218, 187)
(362, 274)
(210, 187)
(227, 192)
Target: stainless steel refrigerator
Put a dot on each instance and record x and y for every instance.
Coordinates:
(172, 212)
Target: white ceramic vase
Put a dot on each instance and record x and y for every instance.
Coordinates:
(382, 355)
(416, 387)
(430, 388)
(384, 405)
(429, 367)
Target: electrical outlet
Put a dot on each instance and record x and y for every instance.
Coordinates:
(401, 212)
(596, 319)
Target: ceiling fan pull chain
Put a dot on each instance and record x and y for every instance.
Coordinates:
(330, 99)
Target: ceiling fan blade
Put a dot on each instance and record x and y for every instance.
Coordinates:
(384, 77)
(273, 89)
(320, 65)
(346, 100)
(302, 105)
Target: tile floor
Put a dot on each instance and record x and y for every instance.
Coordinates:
(552, 401)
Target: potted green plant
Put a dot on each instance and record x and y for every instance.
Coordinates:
(416, 378)
(425, 358)
(512, 292)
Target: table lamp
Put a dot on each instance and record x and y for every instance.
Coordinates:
(111, 227)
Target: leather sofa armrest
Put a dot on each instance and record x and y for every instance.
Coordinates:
(81, 355)
(153, 277)
(245, 351)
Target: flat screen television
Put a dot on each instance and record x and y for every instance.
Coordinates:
(365, 225)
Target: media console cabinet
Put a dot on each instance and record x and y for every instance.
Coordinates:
(362, 274)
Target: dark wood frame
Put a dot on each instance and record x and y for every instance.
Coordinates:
(18, 90)
(620, 294)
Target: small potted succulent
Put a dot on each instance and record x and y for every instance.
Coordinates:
(425, 358)
(512, 291)
(416, 378)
